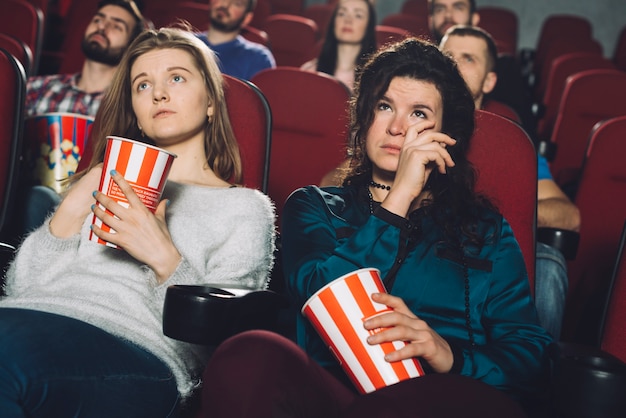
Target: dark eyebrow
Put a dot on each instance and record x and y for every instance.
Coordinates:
(415, 105)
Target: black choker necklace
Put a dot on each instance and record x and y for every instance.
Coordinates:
(379, 186)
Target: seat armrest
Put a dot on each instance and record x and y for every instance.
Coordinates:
(562, 239)
(208, 315)
(587, 382)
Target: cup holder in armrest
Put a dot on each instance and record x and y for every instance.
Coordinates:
(563, 240)
(588, 382)
(208, 315)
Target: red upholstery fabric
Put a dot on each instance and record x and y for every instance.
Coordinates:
(256, 35)
(197, 14)
(321, 13)
(558, 26)
(13, 88)
(601, 199)
(558, 48)
(310, 123)
(613, 336)
(261, 12)
(287, 6)
(501, 109)
(415, 7)
(389, 34)
(506, 164)
(18, 49)
(71, 55)
(25, 21)
(561, 68)
(416, 25)
(251, 118)
(502, 24)
(292, 38)
(589, 97)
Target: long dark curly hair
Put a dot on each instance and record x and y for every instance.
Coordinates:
(453, 204)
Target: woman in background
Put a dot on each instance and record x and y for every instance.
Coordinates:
(350, 39)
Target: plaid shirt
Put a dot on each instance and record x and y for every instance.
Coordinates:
(59, 93)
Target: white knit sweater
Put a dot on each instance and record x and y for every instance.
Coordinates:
(226, 236)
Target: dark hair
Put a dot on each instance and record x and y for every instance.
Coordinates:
(453, 199)
(476, 32)
(472, 4)
(327, 60)
(130, 7)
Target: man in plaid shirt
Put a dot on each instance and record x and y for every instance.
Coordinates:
(113, 27)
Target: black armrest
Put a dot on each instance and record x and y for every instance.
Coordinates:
(209, 315)
(563, 240)
(7, 251)
(547, 149)
(587, 382)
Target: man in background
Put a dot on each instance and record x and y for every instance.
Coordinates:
(474, 50)
(113, 27)
(237, 56)
(446, 13)
(115, 24)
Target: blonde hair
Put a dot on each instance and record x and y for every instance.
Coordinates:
(117, 117)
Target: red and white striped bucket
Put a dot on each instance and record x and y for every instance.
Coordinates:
(145, 167)
(337, 312)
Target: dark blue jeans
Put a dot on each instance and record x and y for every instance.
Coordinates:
(551, 285)
(55, 366)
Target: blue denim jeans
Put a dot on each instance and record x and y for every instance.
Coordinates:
(55, 366)
(39, 203)
(551, 285)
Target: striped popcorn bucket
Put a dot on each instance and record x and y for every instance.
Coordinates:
(337, 312)
(144, 167)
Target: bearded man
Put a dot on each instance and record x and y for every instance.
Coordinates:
(113, 27)
(237, 56)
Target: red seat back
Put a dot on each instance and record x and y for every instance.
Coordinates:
(320, 13)
(292, 38)
(502, 24)
(415, 7)
(251, 119)
(309, 131)
(589, 97)
(13, 88)
(18, 49)
(25, 21)
(503, 155)
(560, 69)
(558, 48)
(416, 25)
(601, 199)
(294, 7)
(501, 109)
(558, 26)
(389, 34)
